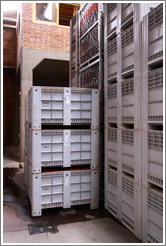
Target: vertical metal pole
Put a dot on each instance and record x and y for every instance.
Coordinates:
(101, 96)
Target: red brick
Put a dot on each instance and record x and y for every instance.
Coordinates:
(41, 35)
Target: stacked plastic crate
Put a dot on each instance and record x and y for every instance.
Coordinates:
(122, 128)
(74, 53)
(62, 147)
(152, 141)
(122, 78)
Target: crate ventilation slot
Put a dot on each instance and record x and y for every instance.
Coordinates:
(112, 46)
(112, 91)
(155, 78)
(155, 16)
(112, 177)
(128, 86)
(155, 140)
(155, 201)
(128, 136)
(128, 186)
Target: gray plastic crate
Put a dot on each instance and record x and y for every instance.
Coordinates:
(63, 148)
(155, 33)
(112, 58)
(127, 206)
(153, 219)
(63, 189)
(128, 76)
(155, 216)
(117, 15)
(112, 148)
(111, 13)
(128, 157)
(127, 43)
(128, 109)
(152, 215)
(63, 106)
(135, 11)
(155, 157)
(127, 12)
(111, 203)
(155, 95)
(112, 102)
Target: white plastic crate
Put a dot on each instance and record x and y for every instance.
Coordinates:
(111, 202)
(112, 58)
(155, 95)
(128, 158)
(112, 102)
(63, 106)
(63, 148)
(128, 109)
(63, 189)
(155, 33)
(155, 216)
(112, 147)
(127, 202)
(155, 157)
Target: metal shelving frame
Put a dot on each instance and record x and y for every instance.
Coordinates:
(98, 58)
(74, 63)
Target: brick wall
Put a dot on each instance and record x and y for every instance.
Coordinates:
(42, 35)
(9, 47)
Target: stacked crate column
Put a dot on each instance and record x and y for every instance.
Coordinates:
(152, 140)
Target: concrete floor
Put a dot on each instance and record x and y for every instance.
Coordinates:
(76, 225)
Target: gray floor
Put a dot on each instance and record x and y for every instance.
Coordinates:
(76, 225)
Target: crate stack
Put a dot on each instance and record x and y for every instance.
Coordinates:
(91, 72)
(152, 140)
(62, 148)
(74, 53)
(122, 88)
